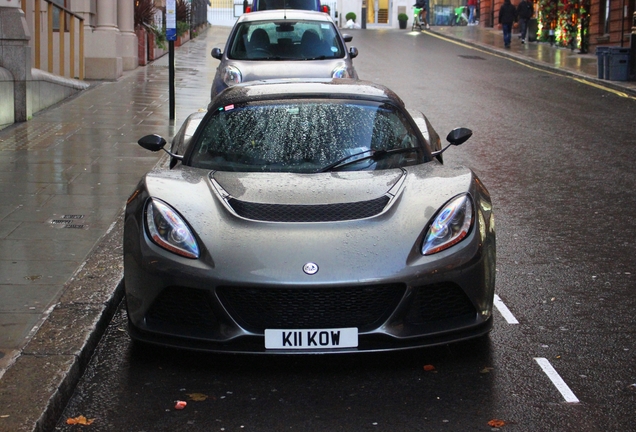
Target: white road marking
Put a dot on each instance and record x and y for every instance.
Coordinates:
(556, 379)
(504, 311)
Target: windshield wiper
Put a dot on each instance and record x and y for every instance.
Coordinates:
(375, 155)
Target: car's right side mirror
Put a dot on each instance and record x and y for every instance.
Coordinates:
(459, 135)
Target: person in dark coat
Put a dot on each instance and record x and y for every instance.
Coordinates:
(507, 17)
(524, 13)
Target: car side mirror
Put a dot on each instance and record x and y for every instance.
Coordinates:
(455, 137)
(217, 53)
(347, 37)
(353, 52)
(153, 142)
(459, 136)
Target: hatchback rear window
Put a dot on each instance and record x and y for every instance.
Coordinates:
(260, 5)
(286, 40)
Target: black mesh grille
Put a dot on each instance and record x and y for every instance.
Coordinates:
(257, 309)
(182, 308)
(439, 302)
(309, 213)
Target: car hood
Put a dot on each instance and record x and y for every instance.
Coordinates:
(262, 70)
(308, 189)
(268, 251)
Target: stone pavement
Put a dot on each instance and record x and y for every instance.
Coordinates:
(539, 54)
(64, 178)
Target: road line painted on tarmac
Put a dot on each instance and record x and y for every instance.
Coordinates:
(504, 311)
(556, 379)
(580, 80)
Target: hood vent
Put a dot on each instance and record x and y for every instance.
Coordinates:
(309, 213)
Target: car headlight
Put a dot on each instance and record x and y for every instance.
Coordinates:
(450, 226)
(168, 230)
(231, 76)
(340, 72)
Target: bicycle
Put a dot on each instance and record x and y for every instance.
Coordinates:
(459, 17)
(417, 20)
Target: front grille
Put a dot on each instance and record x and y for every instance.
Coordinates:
(309, 213)
(257, 309)
(439, 302)
(182, 308)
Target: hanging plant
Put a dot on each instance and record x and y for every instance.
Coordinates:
(144, 11)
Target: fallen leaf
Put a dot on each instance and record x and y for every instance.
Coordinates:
(429, 368)
(179, 405)
(80, 420)
(486, 370)
(4, 416)
(495, 423)
(197, 397)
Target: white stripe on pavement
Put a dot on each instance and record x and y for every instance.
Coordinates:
(504, 311)
(558, 382)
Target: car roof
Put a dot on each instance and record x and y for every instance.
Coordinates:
(282, 14)
(337, 88)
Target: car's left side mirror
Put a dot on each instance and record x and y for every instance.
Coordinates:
(353, 52)
(217, 53)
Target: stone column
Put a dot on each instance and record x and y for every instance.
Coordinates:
(127, 36)
(15, 56)
(103, 61)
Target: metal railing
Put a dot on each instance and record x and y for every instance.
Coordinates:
(69, 24)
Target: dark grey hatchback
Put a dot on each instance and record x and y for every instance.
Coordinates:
(308, 217)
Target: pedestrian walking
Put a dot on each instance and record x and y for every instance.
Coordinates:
(524, 13)
(472, 4)
(507, 17)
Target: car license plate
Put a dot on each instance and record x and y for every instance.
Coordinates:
(311, 338)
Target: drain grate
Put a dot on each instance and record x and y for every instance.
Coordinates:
(69, 221)
(471, 57)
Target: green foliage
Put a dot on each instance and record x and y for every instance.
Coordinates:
(403, 17)
(569, 21)
(160, 36)
(351, 16)
(182, 28)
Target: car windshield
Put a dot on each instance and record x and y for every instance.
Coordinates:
(286, 40)
(306, 136)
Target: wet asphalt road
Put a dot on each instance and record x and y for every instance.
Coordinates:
(557, 156)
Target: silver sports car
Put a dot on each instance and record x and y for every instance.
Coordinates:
(283, 44)
(308, 217)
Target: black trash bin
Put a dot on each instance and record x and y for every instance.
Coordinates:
(618, 64)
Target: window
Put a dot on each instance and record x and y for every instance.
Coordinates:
(56, 14)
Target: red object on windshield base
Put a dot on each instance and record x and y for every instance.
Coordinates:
(248, 9)
(325, 9)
